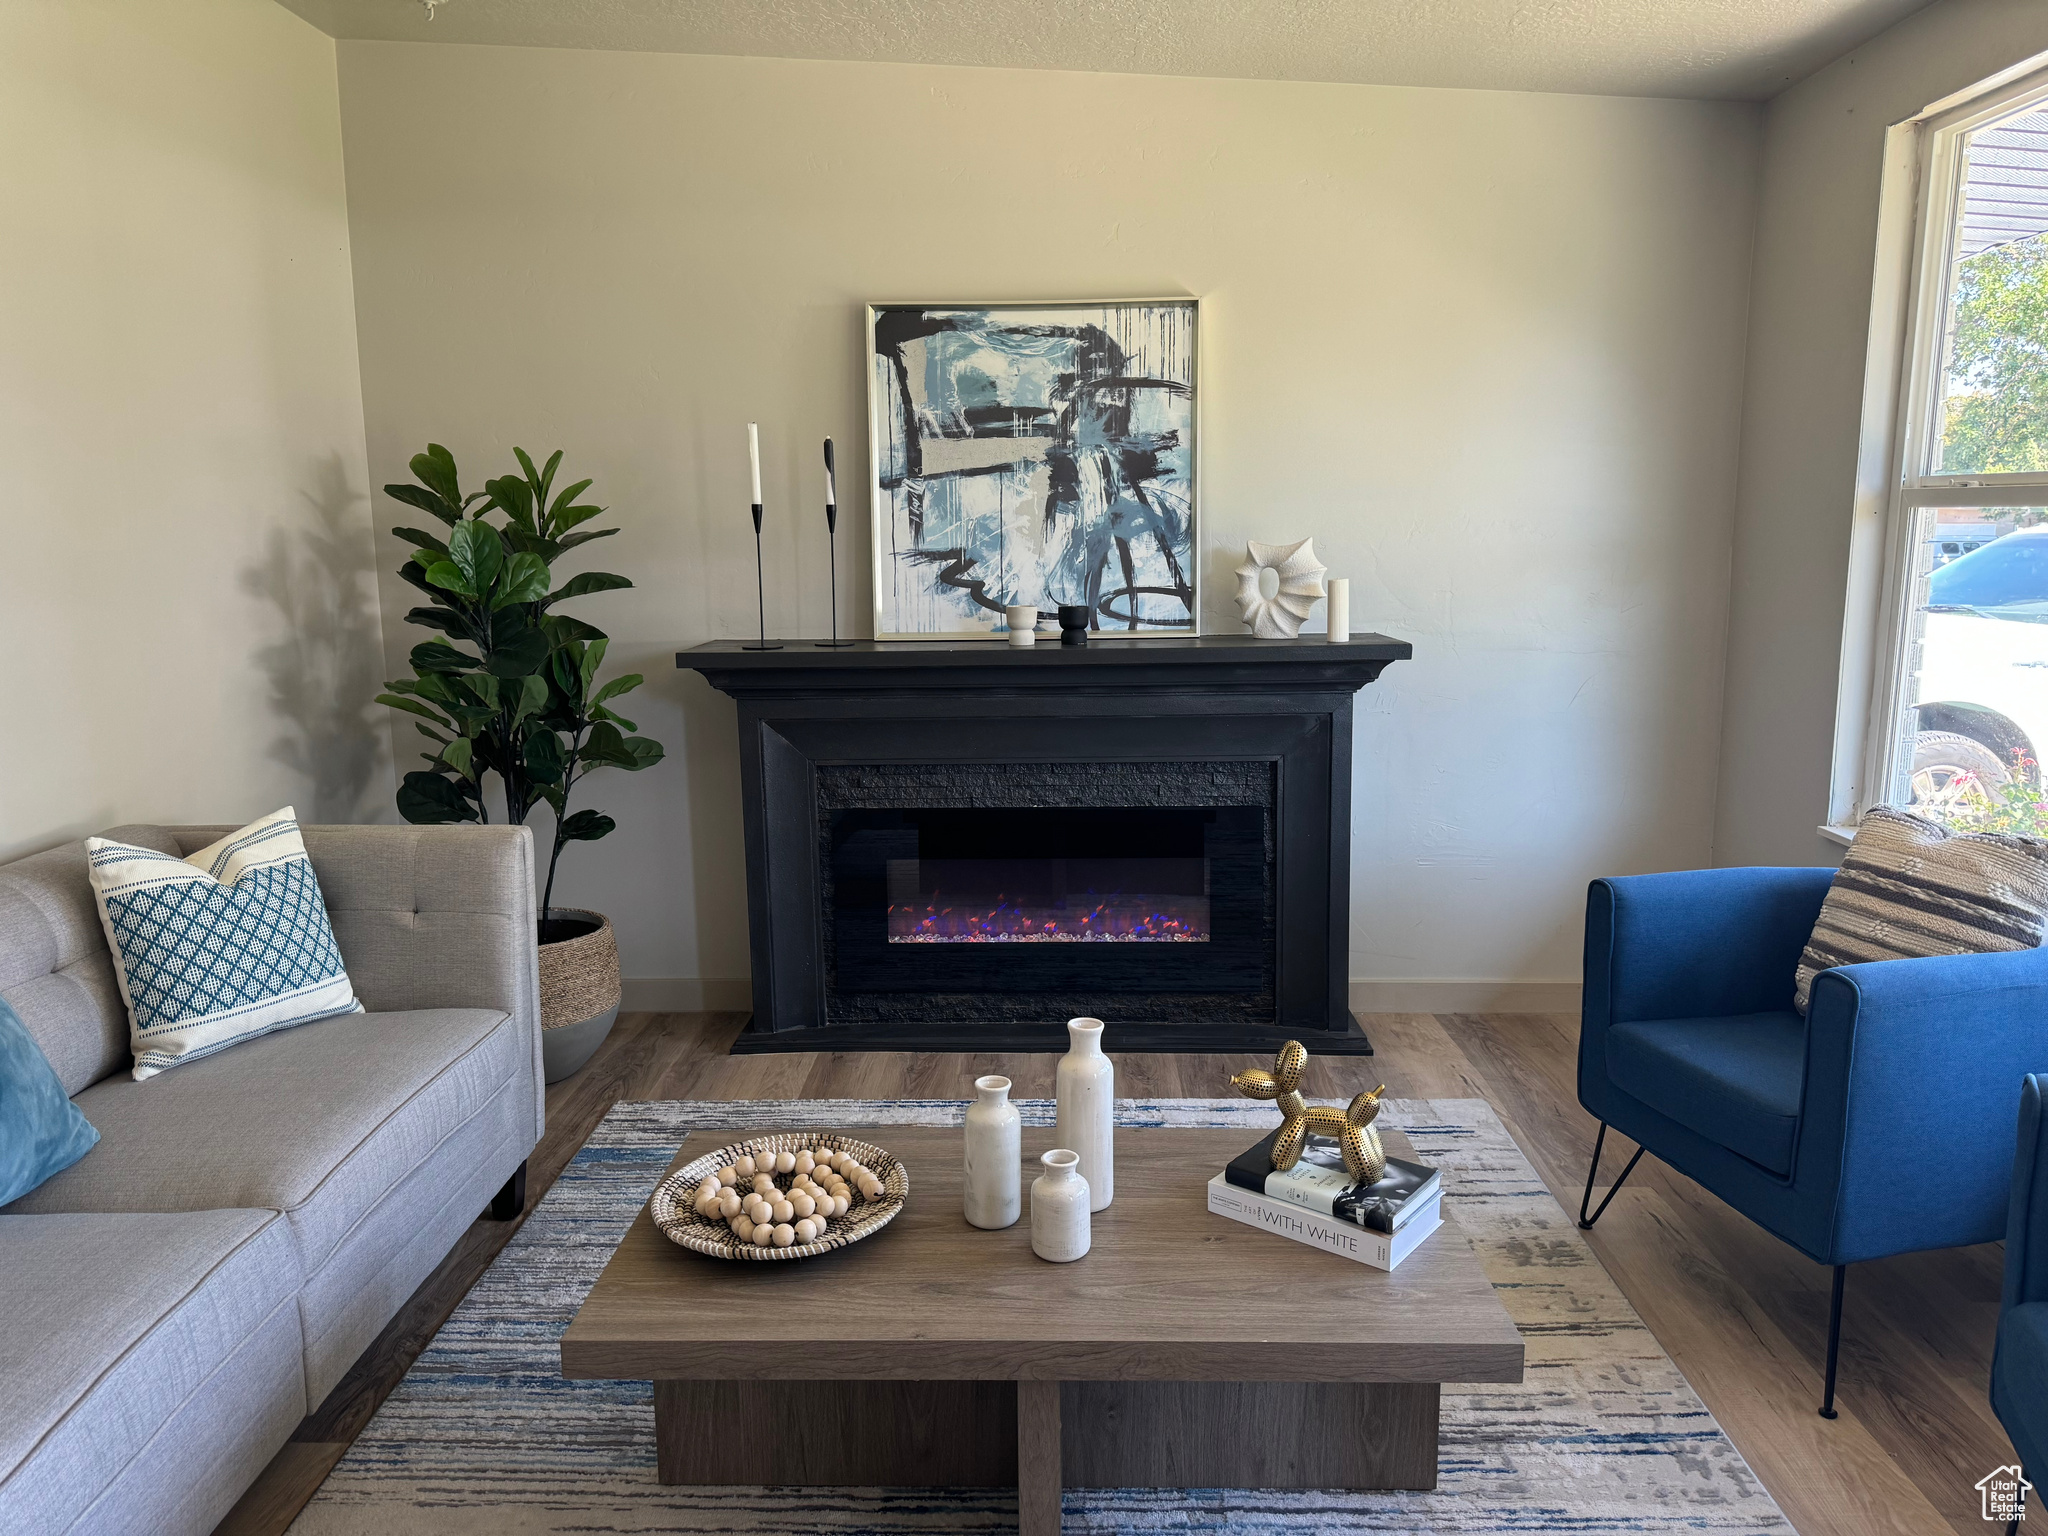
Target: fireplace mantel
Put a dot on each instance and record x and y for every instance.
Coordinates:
(808, 714)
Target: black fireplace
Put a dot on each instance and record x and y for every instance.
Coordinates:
(958, 846)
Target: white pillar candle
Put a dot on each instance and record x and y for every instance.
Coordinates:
(754, 458)
(1339, 609)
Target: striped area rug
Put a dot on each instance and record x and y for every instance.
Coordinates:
(483, 1435)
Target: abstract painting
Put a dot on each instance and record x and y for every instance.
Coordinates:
(1033, 453)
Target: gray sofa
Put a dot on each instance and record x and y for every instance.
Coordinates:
(175, 1302)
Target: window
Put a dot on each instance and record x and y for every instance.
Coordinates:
(1960, 713)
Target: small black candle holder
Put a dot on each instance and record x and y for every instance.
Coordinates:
(1073, 623)
(760, 591)
(832, 543)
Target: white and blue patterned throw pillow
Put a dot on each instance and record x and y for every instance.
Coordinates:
(221, 947)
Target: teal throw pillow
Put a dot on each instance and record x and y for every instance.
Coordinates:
(41, 1131)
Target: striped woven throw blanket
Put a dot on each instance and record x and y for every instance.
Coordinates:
(1910, 888)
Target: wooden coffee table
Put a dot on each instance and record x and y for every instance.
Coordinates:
(1185, 1350)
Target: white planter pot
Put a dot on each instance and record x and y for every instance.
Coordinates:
(1059, 1209)
(1087, 1114)
(995, 1180)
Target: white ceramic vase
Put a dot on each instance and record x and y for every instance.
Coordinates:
(1059, 1209)
(995, 1179)
(1087, 1117)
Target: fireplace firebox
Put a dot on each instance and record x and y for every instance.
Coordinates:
(957, 846)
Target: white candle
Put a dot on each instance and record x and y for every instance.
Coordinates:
(1339, 610)
(831, 495)
(754, 457)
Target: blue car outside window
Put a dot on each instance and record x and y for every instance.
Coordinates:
(2005, 573)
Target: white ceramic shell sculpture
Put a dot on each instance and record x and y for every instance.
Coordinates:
(1280, 616)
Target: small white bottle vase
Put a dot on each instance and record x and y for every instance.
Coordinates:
(1087, 1114)
(1059, 1209)
(995, 1179)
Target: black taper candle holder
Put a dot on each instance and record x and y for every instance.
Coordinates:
(832, 544)
(760, 590)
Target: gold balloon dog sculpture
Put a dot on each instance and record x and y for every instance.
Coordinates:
(1364, 1158)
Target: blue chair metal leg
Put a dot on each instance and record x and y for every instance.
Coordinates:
(1585, 1221)
(1827, 1407)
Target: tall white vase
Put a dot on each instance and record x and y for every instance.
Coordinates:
(1059, 1209)
(995, 1179)
(1087, 1118)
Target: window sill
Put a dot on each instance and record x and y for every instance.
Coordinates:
(1843, 835)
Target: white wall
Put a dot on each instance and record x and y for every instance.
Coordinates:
(184, 595)
(1485, 347)
(1809, 329)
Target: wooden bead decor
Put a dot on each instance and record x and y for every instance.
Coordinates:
(785, 1196)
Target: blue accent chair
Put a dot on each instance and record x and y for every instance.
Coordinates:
(2019, 1369)
(1879, 1124)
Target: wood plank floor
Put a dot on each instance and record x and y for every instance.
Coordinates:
(1744, 1316)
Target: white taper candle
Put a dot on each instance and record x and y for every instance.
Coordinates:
(831, 492)
(754, 457)
(1339, 609)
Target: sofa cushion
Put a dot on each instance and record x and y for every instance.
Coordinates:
(2019, 1382)
(318, 1122)
(1910, 889)
(112, 1325)
(41, 1130)
(55, 970)
(1736, 1081)
(220, 947)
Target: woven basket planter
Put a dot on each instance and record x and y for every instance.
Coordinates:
(579, 994)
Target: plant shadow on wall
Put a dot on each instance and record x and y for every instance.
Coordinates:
(513, 688)
(321, 578)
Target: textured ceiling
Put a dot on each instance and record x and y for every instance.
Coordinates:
(1734, 49)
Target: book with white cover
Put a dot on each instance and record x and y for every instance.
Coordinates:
(1332, 1234)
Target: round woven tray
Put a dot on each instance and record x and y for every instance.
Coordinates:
(674, 1204)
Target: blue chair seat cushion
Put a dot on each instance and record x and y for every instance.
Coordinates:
(2019, 1383)
(1735, 1080)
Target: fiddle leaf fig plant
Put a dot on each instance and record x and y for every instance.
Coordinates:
(507, 686)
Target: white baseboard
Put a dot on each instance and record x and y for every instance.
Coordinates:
(733, 994)
(1464, 996)
(687, 994)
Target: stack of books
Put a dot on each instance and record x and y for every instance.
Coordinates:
(1316, 1202)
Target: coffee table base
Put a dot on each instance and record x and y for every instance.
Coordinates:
(1042, 1436)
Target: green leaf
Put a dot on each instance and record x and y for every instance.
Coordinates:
(477, 552)
(486, 688)
(435, 469)
(423, 540)
(515, 496)
(586, 826)
(644, 753)
(600, 712)
(593, 658)
(427, 501)
(440, 656)
(447, 620)
(439, 687)
(432, 735)
(586, 583)
(527, 542)
(415, 707)
(569, 517)
(605, 745)
(415, 572)
(429, 799)
(561, 503)
(617, 686)
(533, 696)
(544, 756)
(525, 580)
(457, 755)
(562, 629)
(446, 575)
(570, 541)
(516, 650)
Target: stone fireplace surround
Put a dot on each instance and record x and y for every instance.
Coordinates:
(1228, 721)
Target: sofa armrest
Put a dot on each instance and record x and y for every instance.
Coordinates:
(436, 917)
(1700, 943)
(2026, 1229)
(1910, 1071)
